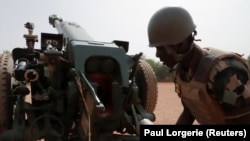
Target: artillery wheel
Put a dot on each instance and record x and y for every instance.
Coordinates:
(6, 111)
(148, 90)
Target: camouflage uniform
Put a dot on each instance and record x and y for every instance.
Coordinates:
(213, 85)
(219, 91)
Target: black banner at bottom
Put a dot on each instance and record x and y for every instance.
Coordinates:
(192, 132)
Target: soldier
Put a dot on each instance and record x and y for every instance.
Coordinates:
(213, 85)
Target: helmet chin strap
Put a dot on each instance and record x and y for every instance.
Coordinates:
(178, 56)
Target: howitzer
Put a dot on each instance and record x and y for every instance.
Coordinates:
(74, 88)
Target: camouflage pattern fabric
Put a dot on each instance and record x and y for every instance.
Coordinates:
(228, 80)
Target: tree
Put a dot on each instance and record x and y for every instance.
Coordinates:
(161, 71)
(6, 52)
(248, 59)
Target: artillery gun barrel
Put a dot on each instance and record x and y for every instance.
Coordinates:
(70, 30)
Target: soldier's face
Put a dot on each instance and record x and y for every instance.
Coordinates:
(172, 54)
(165, 57)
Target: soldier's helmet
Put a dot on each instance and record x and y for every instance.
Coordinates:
(170, 26)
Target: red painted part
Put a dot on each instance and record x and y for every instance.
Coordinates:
(104, 92)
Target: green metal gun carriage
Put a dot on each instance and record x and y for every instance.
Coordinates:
(74, 88)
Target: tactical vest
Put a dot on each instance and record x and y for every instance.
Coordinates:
(195, 96)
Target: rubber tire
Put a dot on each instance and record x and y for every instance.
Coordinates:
(147, 82)
(6, 107)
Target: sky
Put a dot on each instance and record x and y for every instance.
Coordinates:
(222, 24)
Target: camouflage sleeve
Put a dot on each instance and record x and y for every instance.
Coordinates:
(228, 84)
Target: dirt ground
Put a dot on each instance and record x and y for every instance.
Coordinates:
(168, 105)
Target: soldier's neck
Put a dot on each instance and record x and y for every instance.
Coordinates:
(191, 61)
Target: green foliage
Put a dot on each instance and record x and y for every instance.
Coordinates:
(161, 71)
(6, 52)
(248, 59)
